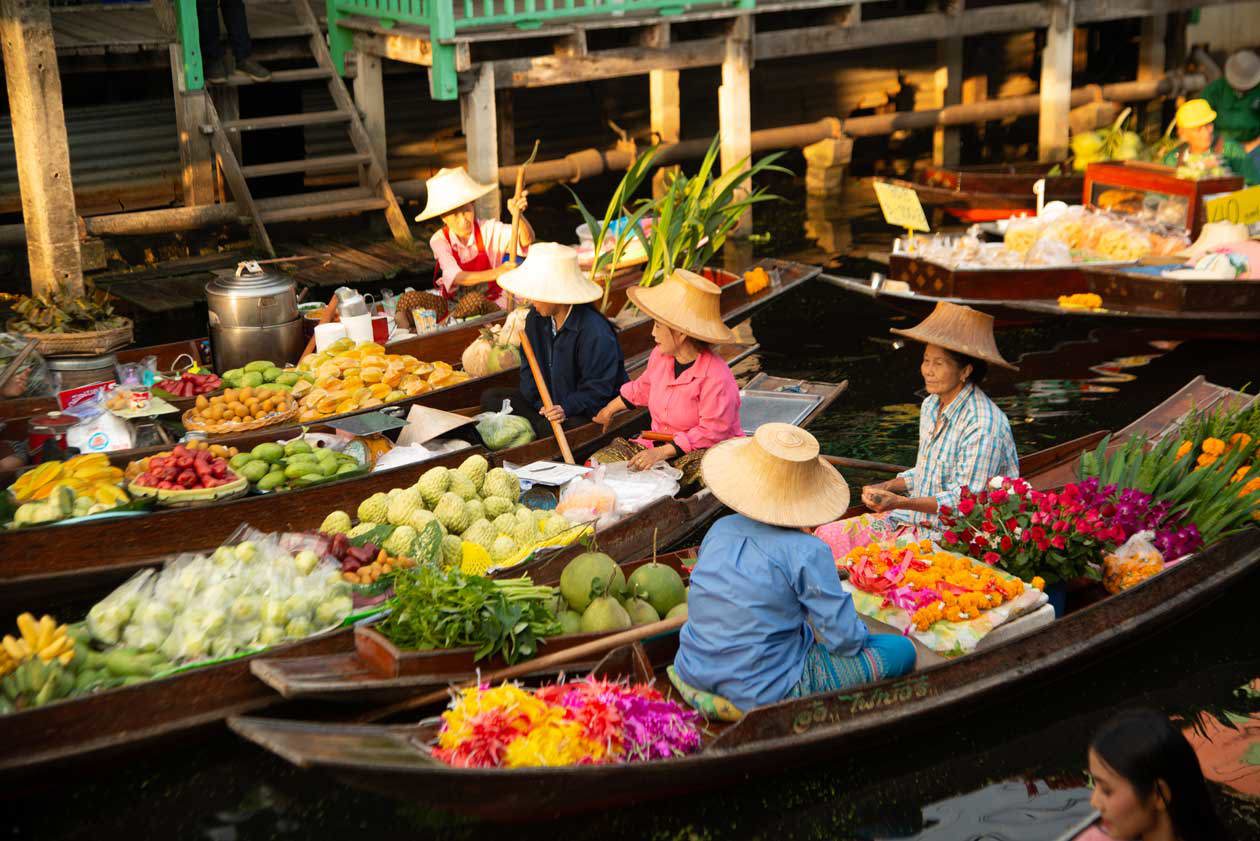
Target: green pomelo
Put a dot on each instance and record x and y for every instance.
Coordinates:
(661, 586)
(570, 622)
(604, 615)
(641, 613)
(677, 610)
(589, 575)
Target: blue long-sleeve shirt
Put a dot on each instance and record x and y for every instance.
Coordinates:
(755, 593)
(582, 363)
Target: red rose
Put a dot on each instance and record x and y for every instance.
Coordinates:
(1011, 524)
(982, 498)
(991, 558)
(1058, 542)
(998, 497)
(1060, 525)
(1043, 545)
(1083, 527)
(1006, 543)
(950, 537)
(966, 505)
(988, 527)
(945, 511)
(1038, 533)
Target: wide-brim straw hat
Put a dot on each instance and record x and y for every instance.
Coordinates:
(1214, 235)
(776, 476)
(960, 329)
(687, 302)
(450, 190)
(1242, 70)
(550, 274)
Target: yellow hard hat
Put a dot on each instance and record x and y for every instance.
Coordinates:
(1195, 113)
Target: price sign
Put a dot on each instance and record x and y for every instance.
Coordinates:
(901, 207)
(1242, 206)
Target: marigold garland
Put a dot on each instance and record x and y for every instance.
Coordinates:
(577, 723)
(927, 583)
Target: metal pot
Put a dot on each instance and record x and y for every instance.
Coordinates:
(74, 371)
(253, 315)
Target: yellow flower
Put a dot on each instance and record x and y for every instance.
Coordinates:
(1240, 473)
(1038, 583)
(1205, 460)
(1186, 447)
(1214, 446)
(1240, 439)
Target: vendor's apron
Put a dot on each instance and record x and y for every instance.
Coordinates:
(480, 262)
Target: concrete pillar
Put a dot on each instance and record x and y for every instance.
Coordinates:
(666, 117)
(369, 97)
(41, 146)
(825, 165)
(949, 84)
(1056, 82)
(477, 112)
(735, 108)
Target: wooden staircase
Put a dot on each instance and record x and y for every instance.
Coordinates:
(373, 192)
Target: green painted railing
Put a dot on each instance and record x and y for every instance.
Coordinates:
(189, 43)
(441, 19)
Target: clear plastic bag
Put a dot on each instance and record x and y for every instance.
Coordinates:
(587, 498)
(502, 429)
(1132, 563)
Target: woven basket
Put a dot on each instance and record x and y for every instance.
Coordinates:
(222, 428)
(81, 344)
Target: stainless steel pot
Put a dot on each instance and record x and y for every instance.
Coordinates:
(253, 315)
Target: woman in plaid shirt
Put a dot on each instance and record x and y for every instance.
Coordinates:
(964, 438)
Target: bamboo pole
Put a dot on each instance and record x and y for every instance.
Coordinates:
(863, 464)
(556, 429)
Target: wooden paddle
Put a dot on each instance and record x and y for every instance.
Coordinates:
(556, 429)
(329, 312)
(838, 461)
(547, 661)
(516, 217)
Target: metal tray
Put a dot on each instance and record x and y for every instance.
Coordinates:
(369, 423)
(758, 407)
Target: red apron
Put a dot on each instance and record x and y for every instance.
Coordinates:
(479, 263)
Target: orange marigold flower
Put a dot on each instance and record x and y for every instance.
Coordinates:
(1186, 447)
(1205, 460)
(1038, 582)
(1250, 487)
(1240, 473)
(1240, 439)
(1214, 446)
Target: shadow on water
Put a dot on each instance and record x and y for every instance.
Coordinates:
(1009, 771)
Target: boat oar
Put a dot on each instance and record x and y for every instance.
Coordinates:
(603, 645)
(514, 242)
(556, 429)
(838, 461)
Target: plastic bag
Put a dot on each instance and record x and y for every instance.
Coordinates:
(587, 498)
(98, 430)
(502, 429)
(1132, 563)
(612, 492)
(38, 381)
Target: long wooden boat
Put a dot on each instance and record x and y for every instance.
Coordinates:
(117, 719)
(990, 192)
(395, 759)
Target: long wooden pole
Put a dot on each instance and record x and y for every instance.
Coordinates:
(516, 217)
(556, 429)
(838, 461)
(547, 661)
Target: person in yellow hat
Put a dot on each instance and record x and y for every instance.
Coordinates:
(1205, 152)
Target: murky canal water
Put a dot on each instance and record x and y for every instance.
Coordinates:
(1011, 770)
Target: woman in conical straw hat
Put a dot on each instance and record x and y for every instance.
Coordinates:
(689, 390)
(767, 617)
(964, 438)
(470, 252)
(576, 346)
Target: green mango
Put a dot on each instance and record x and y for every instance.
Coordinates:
(312, 478)
(251, 379)
(329, 468)
(268, 452)
(271, 374)
(239, 460)
(255, 470)
(294, 447)
(271, 481)
(258, 366)
(346, 468)
(233, 374)
(293, 471)
(289, 378)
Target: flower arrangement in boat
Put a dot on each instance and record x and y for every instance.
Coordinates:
(929, 584)
(586, 722)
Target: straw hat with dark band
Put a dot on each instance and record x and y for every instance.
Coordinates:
(776, 477)
(450, 190)
(687, 302)
(550, 274)
(960, 329)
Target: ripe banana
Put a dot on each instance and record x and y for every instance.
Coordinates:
(43, 640)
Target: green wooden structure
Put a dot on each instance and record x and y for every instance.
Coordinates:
(189, 44)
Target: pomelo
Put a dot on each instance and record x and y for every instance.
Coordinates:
(659, 585)
(570, 622)
(641, 613)
(603, 615)
(589, 575)
(677, 610)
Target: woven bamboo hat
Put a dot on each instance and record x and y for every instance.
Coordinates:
(687, 302)
(1242, 70)
(550, 274)
(776, 476)
(960, 329)
(450, 190)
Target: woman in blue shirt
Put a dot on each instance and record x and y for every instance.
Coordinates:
(577, 347)
(767, 617)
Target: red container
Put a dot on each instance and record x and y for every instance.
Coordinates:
(43, 428)
(380, 329)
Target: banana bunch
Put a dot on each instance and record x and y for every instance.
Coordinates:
(89, 476)
(33, 684)
(43, 640)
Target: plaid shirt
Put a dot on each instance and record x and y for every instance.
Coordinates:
(972, 445)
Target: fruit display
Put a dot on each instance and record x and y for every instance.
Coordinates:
(187, 475)
(240, 409)
(599, 598)
(480, 520)
(349, 378)
(496, 348)
(367, 563)
(413, 300)
(58, 490)
(295, 464)
(266, 374)
(189, 384)
(473, 304)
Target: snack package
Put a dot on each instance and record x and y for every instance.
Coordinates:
(1132, 563)
(502, 429)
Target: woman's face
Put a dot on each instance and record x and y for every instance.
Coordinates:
(1123, 812)
(941, 374)
(669, 340)
(1199, 139)
(460, 221)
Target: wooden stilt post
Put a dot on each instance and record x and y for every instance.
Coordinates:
(476, 108)
(1152, 61)
(949, 71)
(734, 106)
(505, 114)
(41, 145)
(666, 116)
(369, 96)
(1056, 81)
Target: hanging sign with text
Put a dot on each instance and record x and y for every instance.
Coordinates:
(901, 207)
(1242, 206)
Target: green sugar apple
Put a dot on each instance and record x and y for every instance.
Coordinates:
(475, 467)
(435, 482)
(452, 512)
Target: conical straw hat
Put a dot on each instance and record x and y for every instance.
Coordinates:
(424, 423)
(450, 190)
(960, 329)
(1215, 234)
(687, 302)
(550, 274)
(1242, 70)
(776, 477)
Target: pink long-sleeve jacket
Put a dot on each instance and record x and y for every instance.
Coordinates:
(700, 408)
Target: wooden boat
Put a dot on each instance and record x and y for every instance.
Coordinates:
(395, 759)
(990, 192)
(99, 723)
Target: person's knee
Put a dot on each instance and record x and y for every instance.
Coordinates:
(896, 652)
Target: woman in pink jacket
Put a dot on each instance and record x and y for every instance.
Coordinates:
(688, 389)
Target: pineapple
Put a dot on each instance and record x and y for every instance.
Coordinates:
(421, 301)
(473, 303)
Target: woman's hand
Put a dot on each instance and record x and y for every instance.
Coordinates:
(880, 501)
(16, 387)
(516, 206)
(645, 459)
(554, 412)
(605, 415)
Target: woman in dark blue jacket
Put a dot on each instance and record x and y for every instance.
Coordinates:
(576, 346)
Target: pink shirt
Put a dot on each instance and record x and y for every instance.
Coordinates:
(496, 236)
(700, 408)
